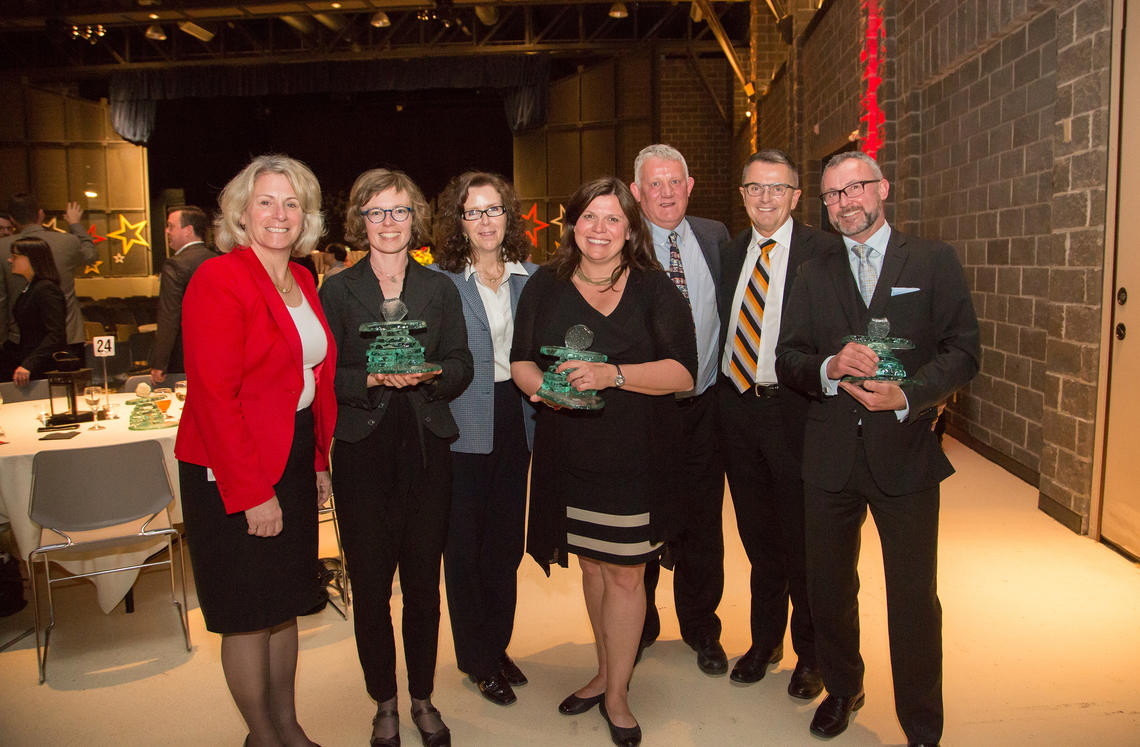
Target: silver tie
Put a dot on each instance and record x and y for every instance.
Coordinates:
(868, 277)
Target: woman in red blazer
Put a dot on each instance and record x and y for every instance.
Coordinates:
(254, 439)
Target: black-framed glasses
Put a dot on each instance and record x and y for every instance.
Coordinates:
(491, 212)
(852, 190)
(776, 190)
(400, 213)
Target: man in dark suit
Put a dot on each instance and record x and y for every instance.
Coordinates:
(185, 235)
(687, 247)
(761, 422)
(869, 444)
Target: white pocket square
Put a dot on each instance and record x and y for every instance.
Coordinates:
(899, 291)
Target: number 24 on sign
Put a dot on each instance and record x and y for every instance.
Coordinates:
(104, 346)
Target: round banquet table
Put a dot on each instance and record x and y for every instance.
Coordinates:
(19, 445)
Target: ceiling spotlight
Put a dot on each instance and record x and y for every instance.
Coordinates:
(155, 32)
(90, 193)
(196, 31)
(335, 6)
(618, 10)
(152, 16)
(381, 20)
(88, 33)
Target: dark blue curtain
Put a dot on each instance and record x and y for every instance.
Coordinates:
(522, 79)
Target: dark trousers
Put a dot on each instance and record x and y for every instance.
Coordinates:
(485, 539)
(767, 494)
(393, 515)
(698, 551)
(908, 530)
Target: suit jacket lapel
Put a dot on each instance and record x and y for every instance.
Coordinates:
(470, 293)
(414, 294)
(709, 249)
(364, 287)
(516, 282)
(893, 262)
(846, 291)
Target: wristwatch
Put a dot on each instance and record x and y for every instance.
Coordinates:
(619, 380)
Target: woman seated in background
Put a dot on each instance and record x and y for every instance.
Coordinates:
(480, 244)
(391, 464)
(254, 438)
(40, 310)
(602, 485)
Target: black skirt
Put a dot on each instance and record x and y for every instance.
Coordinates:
(248, 583)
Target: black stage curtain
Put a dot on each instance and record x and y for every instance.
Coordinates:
(522, 79)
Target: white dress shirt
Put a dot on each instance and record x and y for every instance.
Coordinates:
(770, 325)
(497, 304)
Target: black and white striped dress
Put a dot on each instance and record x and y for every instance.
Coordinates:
(601, 484)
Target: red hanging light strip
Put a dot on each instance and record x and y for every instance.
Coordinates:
(871, 57)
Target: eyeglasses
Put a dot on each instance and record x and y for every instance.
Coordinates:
(852, 190)
(475, 213)
(776, 190)
(400, 213)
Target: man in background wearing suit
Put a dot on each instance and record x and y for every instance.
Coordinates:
(71, 250)
(687, 248)
(870, 444)
(762, 422)
(186, 227)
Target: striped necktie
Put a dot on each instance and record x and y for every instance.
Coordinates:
(868, 276)
(746, 342)
(676, 269)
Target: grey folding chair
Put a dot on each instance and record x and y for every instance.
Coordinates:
(36, 389)
(333, 570)
(100, 488)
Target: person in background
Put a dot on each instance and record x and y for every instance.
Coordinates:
(253, 443)
(339, 254)
(39, 311)
(481, 245)
(604, 485)
(7, 225)
(186, 227)
(70, 251)
(392, 465)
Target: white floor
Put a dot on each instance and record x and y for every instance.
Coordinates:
(1042, 646)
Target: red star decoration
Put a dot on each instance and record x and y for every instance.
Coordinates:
(532, 217)
(95, 236)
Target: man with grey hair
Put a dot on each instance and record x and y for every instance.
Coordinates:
(869, 443)
(762, 422)
(70, 251)
(688, 248)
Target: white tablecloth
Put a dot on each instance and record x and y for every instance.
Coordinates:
(19, 423)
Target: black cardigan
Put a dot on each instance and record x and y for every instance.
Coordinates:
(40, 312)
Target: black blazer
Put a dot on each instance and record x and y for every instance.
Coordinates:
(710, 234)
(176, 274)
(806, 243)
(40, 312)
(352, 298)
(922, 292)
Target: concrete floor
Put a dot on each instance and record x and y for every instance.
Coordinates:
(1041, 641)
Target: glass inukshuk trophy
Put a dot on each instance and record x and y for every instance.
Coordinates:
(878, 338)
(395, 351)
(555, 389)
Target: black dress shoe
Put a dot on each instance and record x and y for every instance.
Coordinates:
(511, 672)
(623, 736)
(833, 715)
(711, 658)
(573, 705)
(496, 689)
(386, 714)
(807, 682)
(754, 664)
(441, 737)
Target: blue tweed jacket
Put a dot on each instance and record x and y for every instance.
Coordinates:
(474, 409)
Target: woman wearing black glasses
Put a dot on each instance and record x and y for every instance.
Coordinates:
(391, 465)
(481, 245)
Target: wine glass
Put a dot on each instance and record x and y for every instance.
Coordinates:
(92, 395)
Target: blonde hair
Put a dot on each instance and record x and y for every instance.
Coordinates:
(234, 199)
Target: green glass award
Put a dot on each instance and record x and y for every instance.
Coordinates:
(555, 389)
(395, 351)
(890, 368)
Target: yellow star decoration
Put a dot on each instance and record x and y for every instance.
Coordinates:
(558, 222)
(121, 234)
(51, 226)
(93, 268)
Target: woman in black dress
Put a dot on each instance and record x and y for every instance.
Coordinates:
(601, 486)
(391, 464)
(40, 310)
(253, 442)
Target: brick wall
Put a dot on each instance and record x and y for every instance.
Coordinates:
(690, 121)
(995, 142)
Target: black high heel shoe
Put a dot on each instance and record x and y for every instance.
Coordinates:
(623, 736)
(439, 738)
(386, 713)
